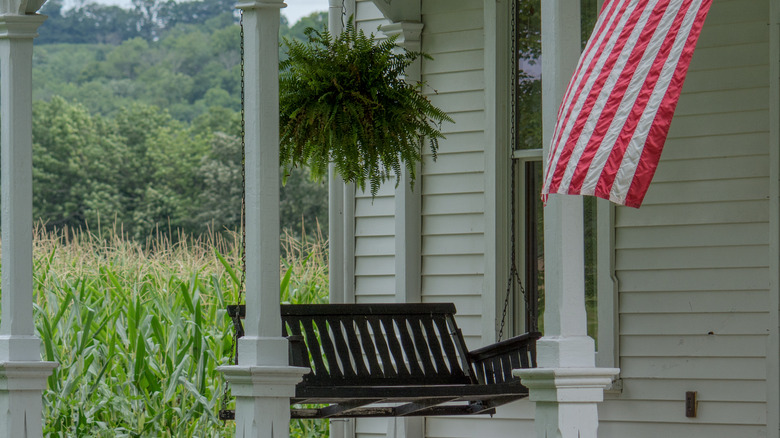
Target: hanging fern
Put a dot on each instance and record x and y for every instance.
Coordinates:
(345, 101)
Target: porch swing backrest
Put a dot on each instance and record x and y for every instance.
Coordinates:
(377, 345)
(395, 345)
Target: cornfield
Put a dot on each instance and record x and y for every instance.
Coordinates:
(139, 329)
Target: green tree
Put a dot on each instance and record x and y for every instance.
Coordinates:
(76, 157)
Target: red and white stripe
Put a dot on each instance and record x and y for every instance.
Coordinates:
(616, 113)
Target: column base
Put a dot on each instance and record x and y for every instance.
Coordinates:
(566, 399)
(263, 398)
(21, 406)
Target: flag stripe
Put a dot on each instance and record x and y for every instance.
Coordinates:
(604, 41)
(644, 171)
(622, 96)
(618, 107)
(603, 76)
(659, 86)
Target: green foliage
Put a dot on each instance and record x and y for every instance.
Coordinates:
(151, 173)
(344, 100)
(138, 332)
(149, 143)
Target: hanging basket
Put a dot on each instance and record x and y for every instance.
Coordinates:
(344, 101)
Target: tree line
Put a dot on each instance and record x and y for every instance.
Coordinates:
(139, 124)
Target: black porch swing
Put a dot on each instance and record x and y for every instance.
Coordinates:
(392, 360)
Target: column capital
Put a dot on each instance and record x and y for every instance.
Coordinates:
(566, 385)
(20, 26)
(261, 4)
(20, 7)
(407, 31)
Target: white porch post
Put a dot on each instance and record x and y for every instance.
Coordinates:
(566, 387)
(22, 373)
(263, 381)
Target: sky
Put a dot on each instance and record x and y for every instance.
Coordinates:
(294, 11)
(300, 8)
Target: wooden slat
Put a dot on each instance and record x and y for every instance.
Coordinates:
(435, 347)
(350, 327)
(449, 347)
(313, 344)
(395, 347)
(421, 344)
(371, 352)
(328, 348)
(408, 346)
(341, 347)
(391, 368)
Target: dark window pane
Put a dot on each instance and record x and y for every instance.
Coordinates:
(528, 92)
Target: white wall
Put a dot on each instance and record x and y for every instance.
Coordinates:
(453, 222)
(692, 260)
(692, 263)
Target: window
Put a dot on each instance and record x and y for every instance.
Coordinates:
(528, 310)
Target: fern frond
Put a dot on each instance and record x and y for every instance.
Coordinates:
(343, 99)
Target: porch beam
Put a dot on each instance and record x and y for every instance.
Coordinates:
(22, 373)
(263, 382)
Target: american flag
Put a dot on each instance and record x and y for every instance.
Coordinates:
(616, 113)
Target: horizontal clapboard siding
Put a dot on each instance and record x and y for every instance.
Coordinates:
(374, 233)
(453, 185)
(374, 216)
(692, 263)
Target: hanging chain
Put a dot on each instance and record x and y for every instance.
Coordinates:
(514, 280)
(241, 286)
(343, 14)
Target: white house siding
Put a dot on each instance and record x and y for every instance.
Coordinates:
(453, 205)
(692, 263)
(453, 220)
(374, 218)
(374, 233)
(453, 223)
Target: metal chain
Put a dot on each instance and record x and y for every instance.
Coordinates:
(243, 169)
(514, 275)
(343, 15)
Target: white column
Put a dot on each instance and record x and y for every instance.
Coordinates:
(22, 373)
(566, 387)
(262, 381)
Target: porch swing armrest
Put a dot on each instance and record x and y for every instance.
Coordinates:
(299, 356)
(494, 363)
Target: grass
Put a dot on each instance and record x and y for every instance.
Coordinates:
(139, 329)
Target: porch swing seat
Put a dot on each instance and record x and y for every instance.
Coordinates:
(391, 360)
